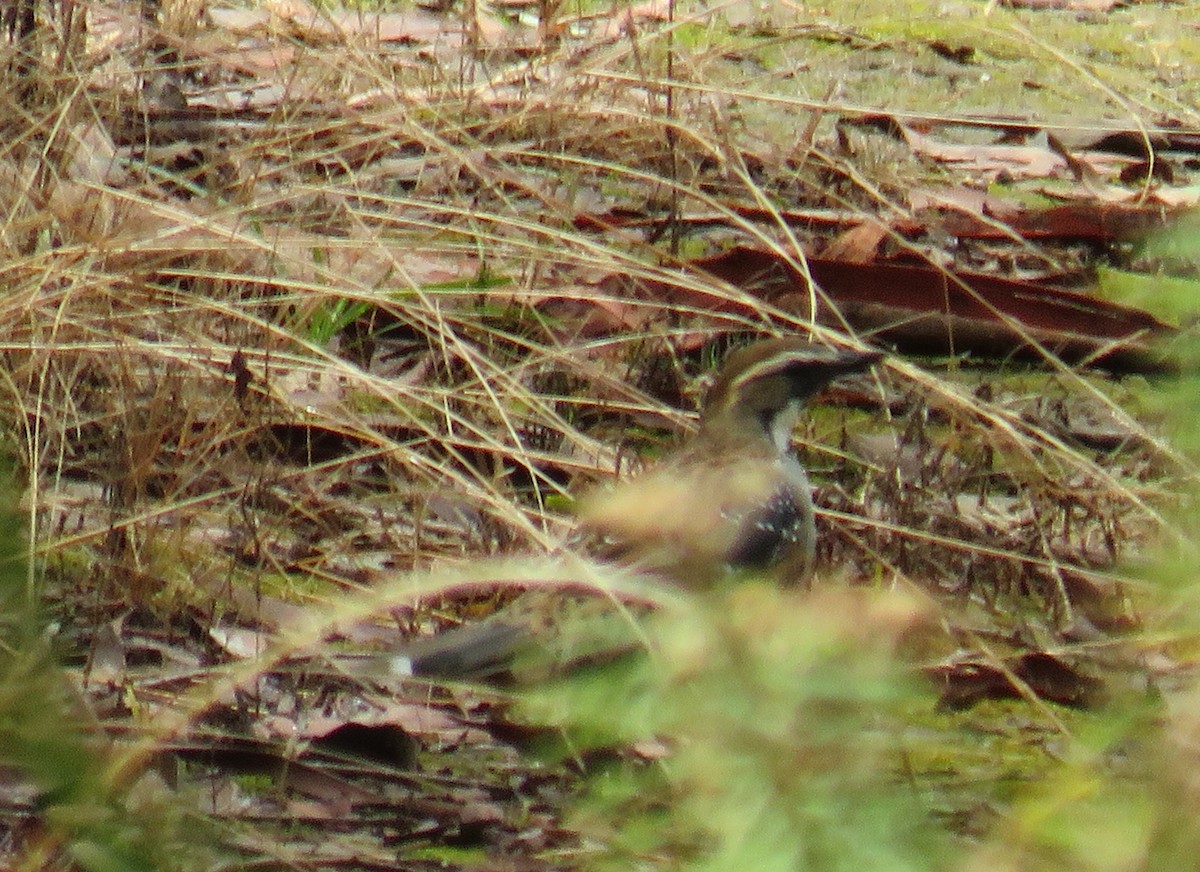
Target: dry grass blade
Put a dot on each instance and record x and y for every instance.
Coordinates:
(313, 332)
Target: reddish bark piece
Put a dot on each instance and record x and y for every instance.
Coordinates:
(927, 309)
(962, 212)
(1016, 161)
(1085, 222)
(859, 244)
(1131, 142)
(966, 681)
(1073, 5)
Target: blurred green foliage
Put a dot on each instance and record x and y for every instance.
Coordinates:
(89, 818)
(780, 722)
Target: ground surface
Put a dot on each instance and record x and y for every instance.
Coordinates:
(318, 321)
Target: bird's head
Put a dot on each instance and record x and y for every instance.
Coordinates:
(762, 388)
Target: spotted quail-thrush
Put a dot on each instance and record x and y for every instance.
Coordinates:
(734, 498)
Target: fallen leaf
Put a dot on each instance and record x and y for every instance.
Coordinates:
(859, 244)
(967, 680)
(926, 309)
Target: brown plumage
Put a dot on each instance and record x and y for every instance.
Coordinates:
(733, 498)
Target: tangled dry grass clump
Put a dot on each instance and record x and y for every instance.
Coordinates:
(300, 379)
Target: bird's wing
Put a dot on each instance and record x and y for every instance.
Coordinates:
(694, 517)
